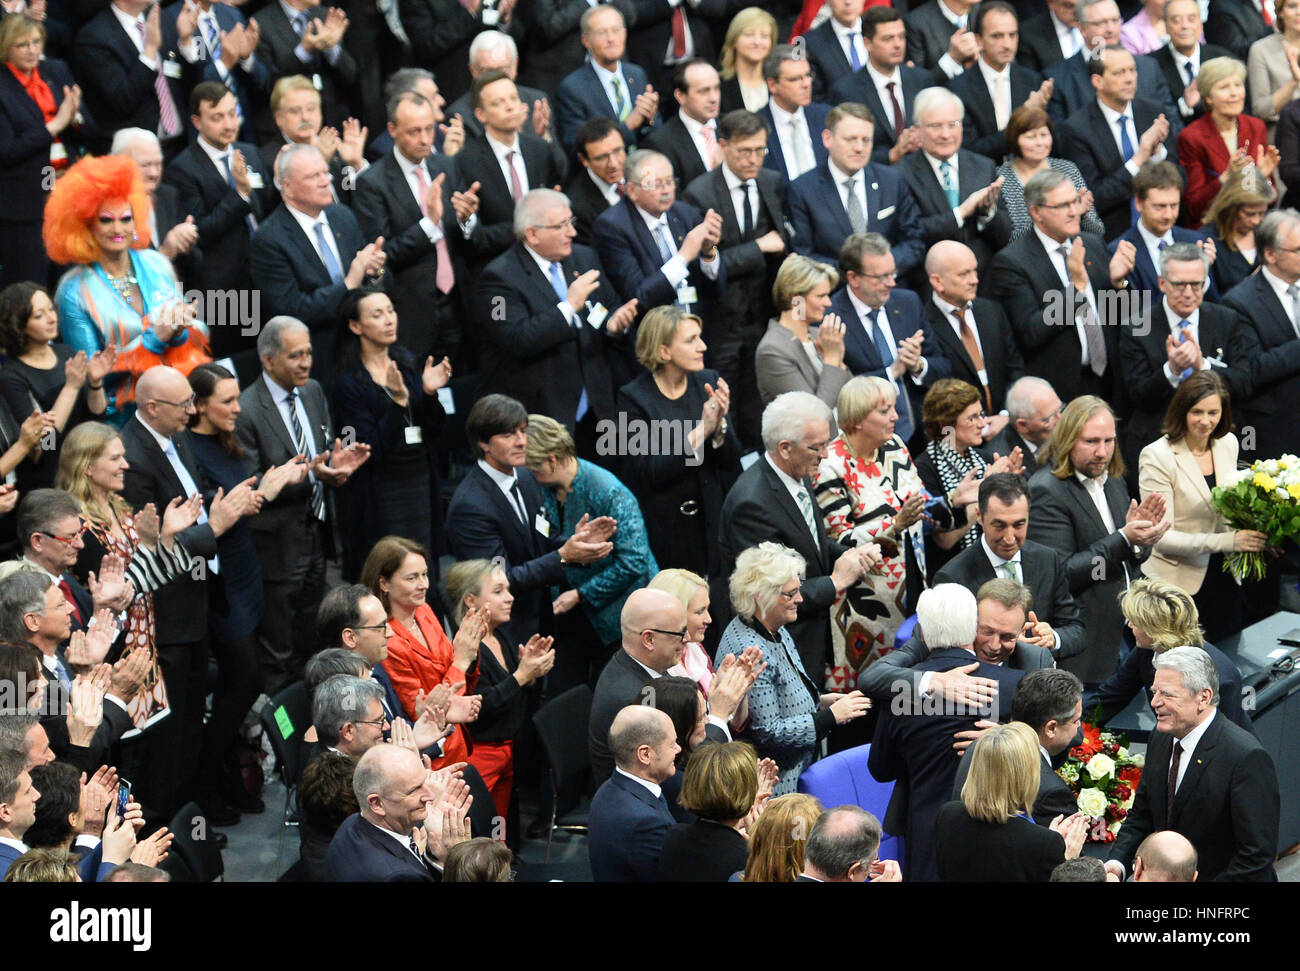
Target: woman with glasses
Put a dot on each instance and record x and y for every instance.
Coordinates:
(391, 402)
(788, 716)
(681, 487)
(118, 292)
(1029, 146)
(1233, 216)
(953, 418)
(803, 349)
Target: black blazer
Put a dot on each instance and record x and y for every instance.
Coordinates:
(344, 176)
(587, 202)
(476, 162)
(702, 852)
(180, 607)
(360, 853)
(928, 35)
(1227, 805)
(1043, 572)
(1145, 274)
(551, 46)
(1064, 518)
(650, 35)
(1176, 80)
(276, 43)
(759, 508)
(980, 131)
(530, 351)
(859, 87)
(1008, 439)
(826, 58)
(1276, 373)
(974, 172)
(1002, 361)
(971, 850)
(1072, 91)
(1054, 796)
(25, 144)
(1087, 141)
(54, 707)
(1039, 49)
(674, 141)
(1230, 266)
(1287, 138)
(1235, 24)
(1023, 279)
(905, 319)
(167, 214)
(440, 32)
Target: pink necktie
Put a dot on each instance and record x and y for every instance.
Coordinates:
(169, 121)
(710, 141)
(516, 188)
(446, 277)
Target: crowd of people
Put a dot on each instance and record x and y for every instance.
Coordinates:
(727, 375)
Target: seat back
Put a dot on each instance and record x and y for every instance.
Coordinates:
(193, 842)
(285, 720)
(562, 726)
(843, 779)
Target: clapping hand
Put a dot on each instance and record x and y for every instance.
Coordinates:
(1073, 830)
(102, 362)
(435, 376)
(110, 588)
(277, 477)
(448, 820)
(466, 203)
(338, 465)
(180, 515)
(470, 634)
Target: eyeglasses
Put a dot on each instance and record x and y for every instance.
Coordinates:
(67, 540)
(571, 221)
(975, 419)
(659, 185)
(879, 277)
(619, 152)
(1191, 285)
(185, 405)
(379, 722)
(789, 594)
(383, 626)
(680, 634)
(1077, 201)
(816, 449)
(750, 152)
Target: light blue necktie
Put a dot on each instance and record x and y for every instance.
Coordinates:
(65, 676)
(1183, 327)
(1126, 143)
(661, 237)
(949, 184)
(562, 292)
(904, 427)
(855, 62)
(327, 254)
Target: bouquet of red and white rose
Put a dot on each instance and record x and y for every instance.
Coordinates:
(1103, 775)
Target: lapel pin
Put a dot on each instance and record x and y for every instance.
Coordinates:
(874, 187)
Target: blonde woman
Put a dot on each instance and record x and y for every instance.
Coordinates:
(776, 845)
(803, 349)
(1232, 219)
(750, 38)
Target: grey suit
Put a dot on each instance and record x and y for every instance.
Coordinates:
(781, 365)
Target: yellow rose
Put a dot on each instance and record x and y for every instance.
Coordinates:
(1293, 490)
(1092, 802)
(1264, 481)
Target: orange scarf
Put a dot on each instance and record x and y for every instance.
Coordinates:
(40, 92)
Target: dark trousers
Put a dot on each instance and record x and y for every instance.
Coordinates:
(167, 749)
(286, 637)
(732, 356)
(22, 254)
(239, 681)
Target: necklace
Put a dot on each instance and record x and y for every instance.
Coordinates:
(123, 284)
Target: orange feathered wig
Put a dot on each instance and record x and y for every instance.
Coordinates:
(77, 199)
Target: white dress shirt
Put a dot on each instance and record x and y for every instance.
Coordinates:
(879, 317)
(411, 171)
(736, 191)
(1280, 288)
(936, 166)
(675, 270)
(882, 82)
(999, 85)
(607, 79)
(220, 157)
(506, 483)
(543, 264)
(1181, 61)
(949, 315)
(129, 24)
(946, 63)
(1187, 744)
(842, 35)
(792, 125)
(280, 396)
(690, 39)
(308, 225)
(1051, 246)
(501, 151)
(654, 788)
(1193, 331)
(1112, 122)
(858, 188)
(695, 129)
(610, 192)
(1070, 38)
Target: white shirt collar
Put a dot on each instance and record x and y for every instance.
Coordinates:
(500, 150)
(404, 840)
(1194, 318)
(1180, 58)
(610, 192)
(936, 163)
(1189, 741)
(862, 309)
(163, 443)
(838, 175)
(604, 75)
(652, 221)
(783, 117)
(36, 566)
(279, 394)
(406, 165)
(998, 561)
(1279, 287)
(990, 74)
(1112, 117)
(791, 484)
(1090, 484)
(948, 15)
(654, 788)
(1151, 239)
(647, 669)
(880, 80)
(734, 181)
(949, 310)
(694, 126)
(504, 482)
(218, 155)
(18, 845)
(308, 223)
(1051, 246)
(842, 32)
(129, 24)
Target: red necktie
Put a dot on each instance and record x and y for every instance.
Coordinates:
(67, 593)
(899, 123)
(1268, 17)
(679, 32)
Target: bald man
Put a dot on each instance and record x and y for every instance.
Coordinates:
(654, 628)
(1165, 857)
(162, 468)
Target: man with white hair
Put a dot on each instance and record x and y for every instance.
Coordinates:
(773, 500)
(1033, 410)
(171, 232)
(913, 741)
(493, 50)
(1205, 778)
(957, 191)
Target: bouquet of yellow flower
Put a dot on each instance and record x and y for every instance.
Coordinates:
(1265, 497)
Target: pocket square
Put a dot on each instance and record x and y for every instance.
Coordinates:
(885, 213)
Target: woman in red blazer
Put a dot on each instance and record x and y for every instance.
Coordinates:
(420, 655)
(1222, 139)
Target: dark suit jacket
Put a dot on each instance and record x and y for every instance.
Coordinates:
(674, 141)
(25, 143)
(360, 853)
(88, 758)
(630, 254)
(1276, 373)
(814, 116)
(702, 852)
(972, 850)
(650, 35)
(279, 530)
(1023, 279)
(859, 87)
(1176, 80)
(476, 162)
(626, 833)
(1002, 361)
(826, 57)
(1072, 91)
(292, 278)
(1043, 571)
(758, 509)
(1039, 48)
(344, 176)
(1008, 439)
(167, 214)
(1145, 274)
(587, 203)
(581, 96)
(1235, 24)
(180, 607)
(980, 131)
(551, 47)
(464, 107)
(1227, 804)
(531, 352)
(974, 172)
(821, 222)
(914, 747)
(1054, 796)
(440, 33)
(1087, 140)
(1064, 518)
(252, 87)
(928, 35)
(1137, 672)
(1287, 138)
(385, 206)
(277, 41)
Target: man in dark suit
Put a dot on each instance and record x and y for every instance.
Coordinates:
(1157, 195)
(1071, 89)
(1039, 286)
(299, 37)
(957, 192)
(836, 48)
(552, 39)
(1237, 24)
(629, 815)
(658, 250)
(493, 50)
(885, 331)
(755, 237)
(689, 139)
(1180, 60)
(162, 468)
(886, 85)
(293, 533)
(1087, 515)
(972, 332)
(353, 618)
(1266, 301)
(1050, 702)
(825, 210)
(598, 182)
(1033, 409)
(795, 122)
(939, 38)
(846, 833)
(130, 79)
(913, 742)
(310, 251)
(607, 85)
(296, 110)
(220, 46)
(18, 798)
(666, 35)
(649, 622)
(1048, 38)
(496, 512)
(1185, 335)
(406, 198)
(500, 166)
(1204, 778)
(440, 32)
(1136, 133)
(996, 85)
(772, 500)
